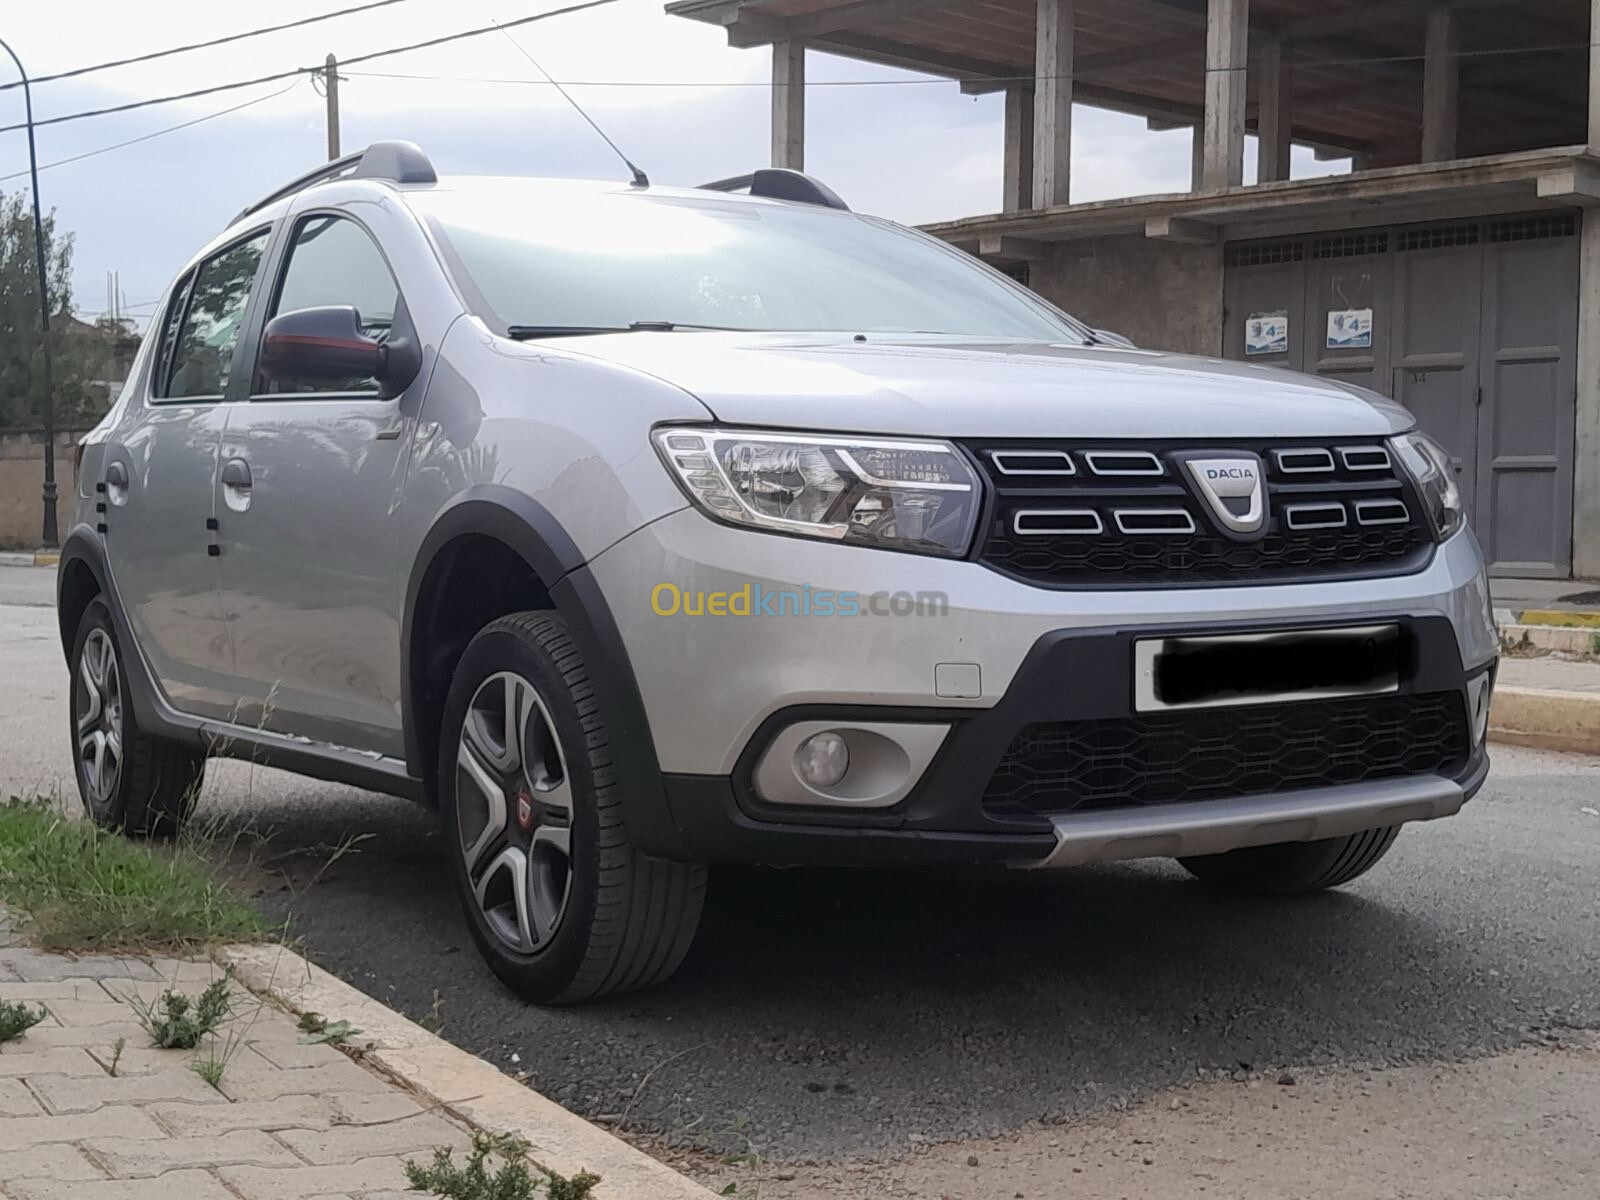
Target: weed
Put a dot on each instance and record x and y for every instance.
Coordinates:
(77, 887)
(177, 1022)
(513, 1180)
(210, 1068)
(211, 1065)
(17, 1019)
(315, 1028)
(433, 1019)
(117, 1048)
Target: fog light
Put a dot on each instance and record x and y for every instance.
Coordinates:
(822, 759)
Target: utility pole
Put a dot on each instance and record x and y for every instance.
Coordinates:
(50, 538)
(330, 88)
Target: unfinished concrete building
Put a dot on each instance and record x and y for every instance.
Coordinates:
(1453, 269)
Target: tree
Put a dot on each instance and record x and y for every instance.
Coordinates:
(79, 358)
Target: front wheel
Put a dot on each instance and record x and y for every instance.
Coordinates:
(1289, 867)
(561, 905)
(129, 780)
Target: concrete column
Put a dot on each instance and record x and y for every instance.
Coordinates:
(1594, 74)
(1197, 163)
(1019, 148)
(1586, 464)
(1052, 104)
(1274, 110)
(1227, 44)
(789, 104)
(1441, 83)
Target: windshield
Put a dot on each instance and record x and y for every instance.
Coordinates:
(556, 258)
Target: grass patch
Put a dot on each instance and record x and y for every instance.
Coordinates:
(76, 887)
(479, 1179)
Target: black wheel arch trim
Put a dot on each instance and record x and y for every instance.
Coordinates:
(534, 534)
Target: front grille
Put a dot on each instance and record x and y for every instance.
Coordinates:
(1216, 753)
(1094, 514)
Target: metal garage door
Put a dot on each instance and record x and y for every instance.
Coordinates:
(1471, 324)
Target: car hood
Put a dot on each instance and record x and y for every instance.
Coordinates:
(945, 386)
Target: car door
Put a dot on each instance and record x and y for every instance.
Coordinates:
(160, 481)
(307, 478)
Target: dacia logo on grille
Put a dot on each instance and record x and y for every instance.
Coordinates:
(1231, 487)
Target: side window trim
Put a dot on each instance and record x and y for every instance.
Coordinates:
(161, 374)
(280, 267)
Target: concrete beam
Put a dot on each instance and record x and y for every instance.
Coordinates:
(1441, 86)
(1001, 248)
(1052, 104)
(1274, 108)
(789, 104)
(1181, 229)
(1018, 190)
(1227, 45)
(1577, 184)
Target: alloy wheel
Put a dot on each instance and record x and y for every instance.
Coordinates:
(99, 718)
(514, 812)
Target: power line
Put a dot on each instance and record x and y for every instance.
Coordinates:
(61, 162)
(298, 71)
(219, 41)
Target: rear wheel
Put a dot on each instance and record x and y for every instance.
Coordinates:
(128, 780)
(1290, 867)
(561, 905)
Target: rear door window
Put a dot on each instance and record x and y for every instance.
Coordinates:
(201, 358)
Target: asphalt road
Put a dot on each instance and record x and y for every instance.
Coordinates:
(831, 1013)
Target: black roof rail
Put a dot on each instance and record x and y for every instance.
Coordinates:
(399, 162)
(780, 183)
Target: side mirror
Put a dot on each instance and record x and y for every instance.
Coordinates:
(328, 345)
(1107, 338)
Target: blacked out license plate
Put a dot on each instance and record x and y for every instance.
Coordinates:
(1265, 668)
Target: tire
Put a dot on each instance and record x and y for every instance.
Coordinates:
(128, 780)
(1290, 867)
(560, 904)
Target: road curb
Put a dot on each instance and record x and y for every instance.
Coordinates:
(1546, 719)
(36, 558)
(465, 1086)
(1564, 639)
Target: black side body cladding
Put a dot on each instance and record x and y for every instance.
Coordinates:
(526, 527)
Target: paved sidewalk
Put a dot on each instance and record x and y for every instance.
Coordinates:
(287, 1120)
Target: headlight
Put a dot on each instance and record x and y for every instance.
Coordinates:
(1434, 473)
(904, 495)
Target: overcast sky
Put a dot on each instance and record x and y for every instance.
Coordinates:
(916, 152)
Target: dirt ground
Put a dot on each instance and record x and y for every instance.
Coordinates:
(1524, 1124)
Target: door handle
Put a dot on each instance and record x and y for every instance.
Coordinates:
(236, 484)
(236, 474)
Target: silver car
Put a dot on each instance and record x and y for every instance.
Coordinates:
(638, 528)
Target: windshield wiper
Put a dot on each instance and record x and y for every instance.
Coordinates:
(523, 333)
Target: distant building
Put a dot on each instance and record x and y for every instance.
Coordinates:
(118, 342)
(1457, 269)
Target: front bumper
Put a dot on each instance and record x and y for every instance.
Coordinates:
(716, 689)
